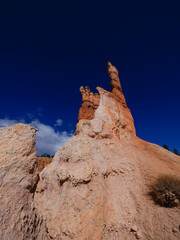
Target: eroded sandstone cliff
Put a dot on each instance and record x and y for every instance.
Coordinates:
(97, 185)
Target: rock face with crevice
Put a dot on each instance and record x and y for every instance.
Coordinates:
(97, 184)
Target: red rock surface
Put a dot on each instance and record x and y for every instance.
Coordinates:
(116, 88)
(90, 102)
(43, 162)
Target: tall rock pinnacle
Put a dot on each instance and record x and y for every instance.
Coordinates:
(108, 108)
(115, 81)
(90, 101)
(116, 88)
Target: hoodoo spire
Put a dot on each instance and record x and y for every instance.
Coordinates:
(90, 101)
(115, 81)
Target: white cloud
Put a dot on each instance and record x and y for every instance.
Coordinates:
(59, 122)
(47, 139)
(6, 122)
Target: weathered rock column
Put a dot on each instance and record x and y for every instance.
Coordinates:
(115, 81)
(116, 88)
(90, 102)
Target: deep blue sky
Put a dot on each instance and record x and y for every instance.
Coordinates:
(48, 49)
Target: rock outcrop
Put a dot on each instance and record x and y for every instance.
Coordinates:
(96, 187)
(90, 102)
(18, 180)
(116, 88)
(97, 184)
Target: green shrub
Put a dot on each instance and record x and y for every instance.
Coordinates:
(165, 190)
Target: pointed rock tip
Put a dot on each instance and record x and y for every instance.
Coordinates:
(109, 64)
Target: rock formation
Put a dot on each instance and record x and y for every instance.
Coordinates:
(96, 187)
(115, 83)
(18, 180)
(90, 102)
(97, 184)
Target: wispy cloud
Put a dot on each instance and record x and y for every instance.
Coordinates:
(38, 112)
(48, 140)
(59, 122)
(6, 122)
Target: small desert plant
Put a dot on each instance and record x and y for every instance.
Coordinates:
(165, 190)
(166, 147)
(176, 151)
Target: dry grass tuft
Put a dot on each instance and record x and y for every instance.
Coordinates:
(165, 190)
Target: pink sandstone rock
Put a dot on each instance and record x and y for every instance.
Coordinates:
(96, 187)
(18, 180)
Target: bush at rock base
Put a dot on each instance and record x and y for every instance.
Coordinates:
(165, 190)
